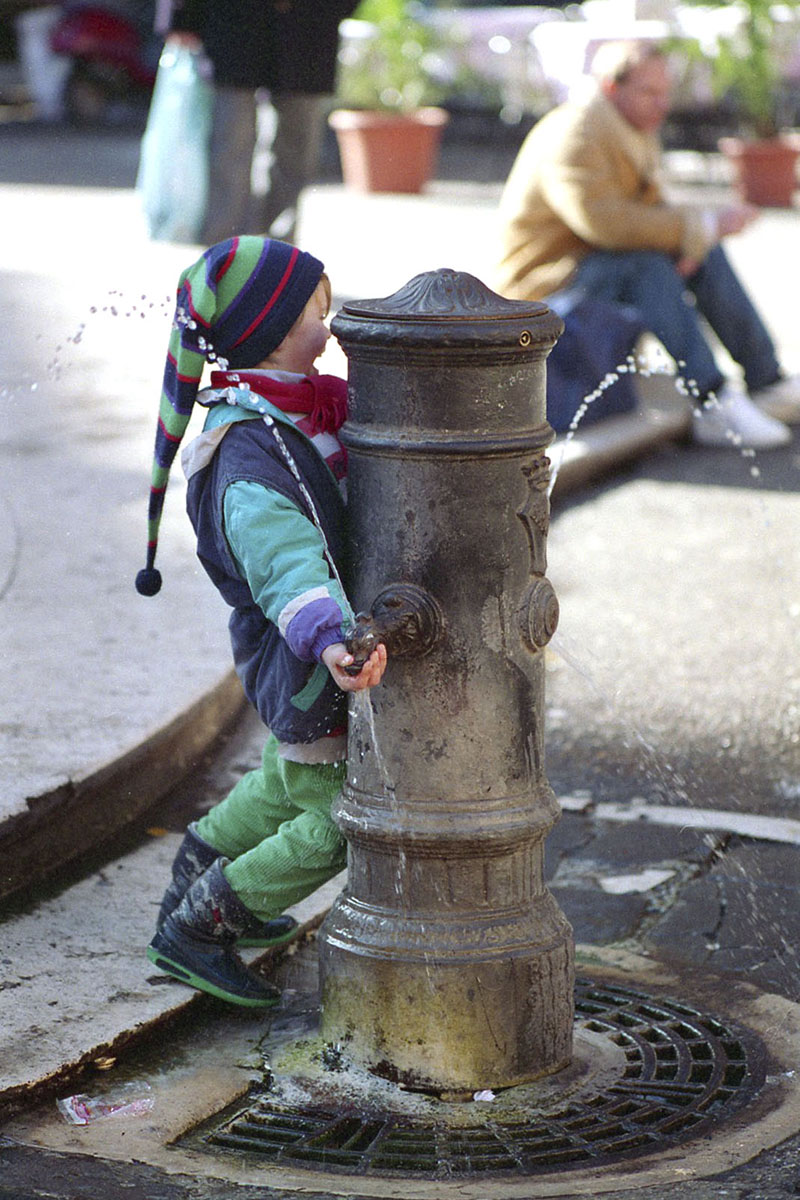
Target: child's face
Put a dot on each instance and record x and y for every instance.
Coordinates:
(307, 338)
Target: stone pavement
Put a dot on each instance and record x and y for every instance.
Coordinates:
(672, 680)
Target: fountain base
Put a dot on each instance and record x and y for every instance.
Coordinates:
(650, 1073)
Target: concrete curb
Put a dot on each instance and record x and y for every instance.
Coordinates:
(66, 823)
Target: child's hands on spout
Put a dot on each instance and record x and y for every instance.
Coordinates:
(336, 658)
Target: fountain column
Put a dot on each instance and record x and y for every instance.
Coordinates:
(446, 963)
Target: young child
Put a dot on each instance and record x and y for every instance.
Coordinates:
(265, 499)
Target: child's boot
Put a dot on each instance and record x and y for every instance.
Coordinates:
(196, 943)
(193, 858)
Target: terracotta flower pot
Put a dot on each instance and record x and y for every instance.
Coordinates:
(765, 171)
(388, 152)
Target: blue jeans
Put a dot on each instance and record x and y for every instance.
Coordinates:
(671, 307)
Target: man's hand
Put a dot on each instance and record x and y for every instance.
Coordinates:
(336, 658)
(735, 218)
(182, 37)
(724, 222)
(686, 266)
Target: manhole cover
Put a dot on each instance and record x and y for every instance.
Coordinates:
(676, 1071)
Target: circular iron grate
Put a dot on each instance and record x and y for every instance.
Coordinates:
(682, 1070)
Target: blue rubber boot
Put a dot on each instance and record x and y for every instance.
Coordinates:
(196, 943)
(193, 858)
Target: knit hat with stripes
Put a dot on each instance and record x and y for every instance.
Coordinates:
(235, 306)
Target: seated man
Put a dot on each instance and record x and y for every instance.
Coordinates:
(583, 217)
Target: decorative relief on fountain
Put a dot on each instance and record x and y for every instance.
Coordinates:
(535, 512)
(538, 615)
(538, 612)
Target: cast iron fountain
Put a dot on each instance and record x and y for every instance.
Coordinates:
(446, 967)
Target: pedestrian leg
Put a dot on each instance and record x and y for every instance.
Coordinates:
(672, 308)
(726, 306)
(290, 128)
(233, 135)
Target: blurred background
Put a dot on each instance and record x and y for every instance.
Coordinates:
(494, 67)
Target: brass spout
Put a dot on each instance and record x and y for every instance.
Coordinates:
(406, 618)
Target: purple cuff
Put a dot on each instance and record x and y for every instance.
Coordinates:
(326, 637)
(315, 626)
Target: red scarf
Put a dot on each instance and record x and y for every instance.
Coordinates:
(322, 397)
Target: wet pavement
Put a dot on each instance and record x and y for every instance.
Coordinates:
(677, 685)
(672, 683)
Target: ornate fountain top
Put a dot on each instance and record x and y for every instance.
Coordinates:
(445, 295)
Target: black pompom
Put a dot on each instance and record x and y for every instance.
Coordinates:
(148, 581)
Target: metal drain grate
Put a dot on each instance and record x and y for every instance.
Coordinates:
(682, 1070)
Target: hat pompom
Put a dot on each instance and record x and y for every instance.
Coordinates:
(148, 581)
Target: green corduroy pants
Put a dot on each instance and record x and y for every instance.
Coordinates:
(275, 826)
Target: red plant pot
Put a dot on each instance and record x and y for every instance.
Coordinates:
(388, 152)
(765, 171)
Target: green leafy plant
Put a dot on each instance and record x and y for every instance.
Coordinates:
(747, 62)
(396, 64)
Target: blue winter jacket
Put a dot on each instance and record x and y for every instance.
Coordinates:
(295, 696)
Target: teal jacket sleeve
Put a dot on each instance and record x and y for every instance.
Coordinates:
(280, 554)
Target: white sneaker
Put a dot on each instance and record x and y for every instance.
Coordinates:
(734, 420)
(780, 400)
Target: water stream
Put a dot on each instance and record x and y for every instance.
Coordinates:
(645, 366)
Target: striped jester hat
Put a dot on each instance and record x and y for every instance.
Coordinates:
(235, 305)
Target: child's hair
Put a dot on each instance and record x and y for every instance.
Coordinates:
(235, 306)
(326, 284)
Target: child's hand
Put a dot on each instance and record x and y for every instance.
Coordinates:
(336, 658)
